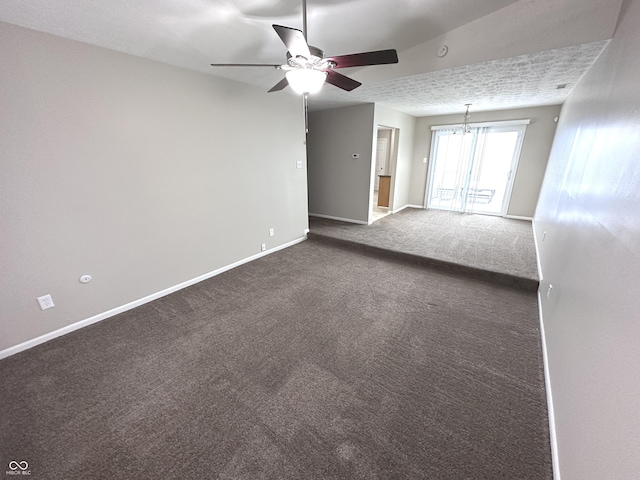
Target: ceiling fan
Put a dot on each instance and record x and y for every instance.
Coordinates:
(307, 69)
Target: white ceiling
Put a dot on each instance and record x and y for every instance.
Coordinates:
(195, 33)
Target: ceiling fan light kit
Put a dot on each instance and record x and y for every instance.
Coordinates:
(306, 81)
(307, 69)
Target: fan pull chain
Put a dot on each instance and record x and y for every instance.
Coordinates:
(306, 114)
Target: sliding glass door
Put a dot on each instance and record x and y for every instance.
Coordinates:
(474, 172)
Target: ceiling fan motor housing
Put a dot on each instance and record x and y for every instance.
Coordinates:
(316, 61)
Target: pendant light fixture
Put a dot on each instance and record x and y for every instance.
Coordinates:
(464, 128)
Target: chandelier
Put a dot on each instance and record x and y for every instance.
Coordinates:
(464, 128)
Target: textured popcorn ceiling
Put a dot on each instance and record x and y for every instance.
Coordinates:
(522, 81)
(194, 33)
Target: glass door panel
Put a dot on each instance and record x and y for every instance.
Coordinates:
(491, 172)
(449, 169)
(473, 172)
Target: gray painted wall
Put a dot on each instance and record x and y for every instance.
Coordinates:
(533, 157)
(339, 184)
(141, 174)
(590, 210)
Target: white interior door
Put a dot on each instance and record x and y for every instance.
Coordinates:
(382, 154)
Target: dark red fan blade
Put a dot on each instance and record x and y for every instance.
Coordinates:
(280, 85)
(340, 81)
(294, 41)
(379, 57)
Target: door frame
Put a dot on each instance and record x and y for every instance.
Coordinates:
(392, 157)
(522, 124)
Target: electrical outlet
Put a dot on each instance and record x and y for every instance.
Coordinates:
(271, 232)
(544, 235)
(263, 247)
(549, 290)
(45, 302)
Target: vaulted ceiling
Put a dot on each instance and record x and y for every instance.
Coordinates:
(500, 53)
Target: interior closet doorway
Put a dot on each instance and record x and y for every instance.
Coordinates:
(474, 172)
(383, 166)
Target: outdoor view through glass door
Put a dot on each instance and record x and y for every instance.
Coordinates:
(474, 172)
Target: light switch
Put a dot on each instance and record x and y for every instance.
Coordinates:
(299, 164)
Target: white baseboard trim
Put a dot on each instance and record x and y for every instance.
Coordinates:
(535, 243)
(409, 206)
(7, 352)
(341, 219)
(518, 217)
(555, 461)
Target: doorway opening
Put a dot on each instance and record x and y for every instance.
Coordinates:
(474, 172)
(384, 165)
